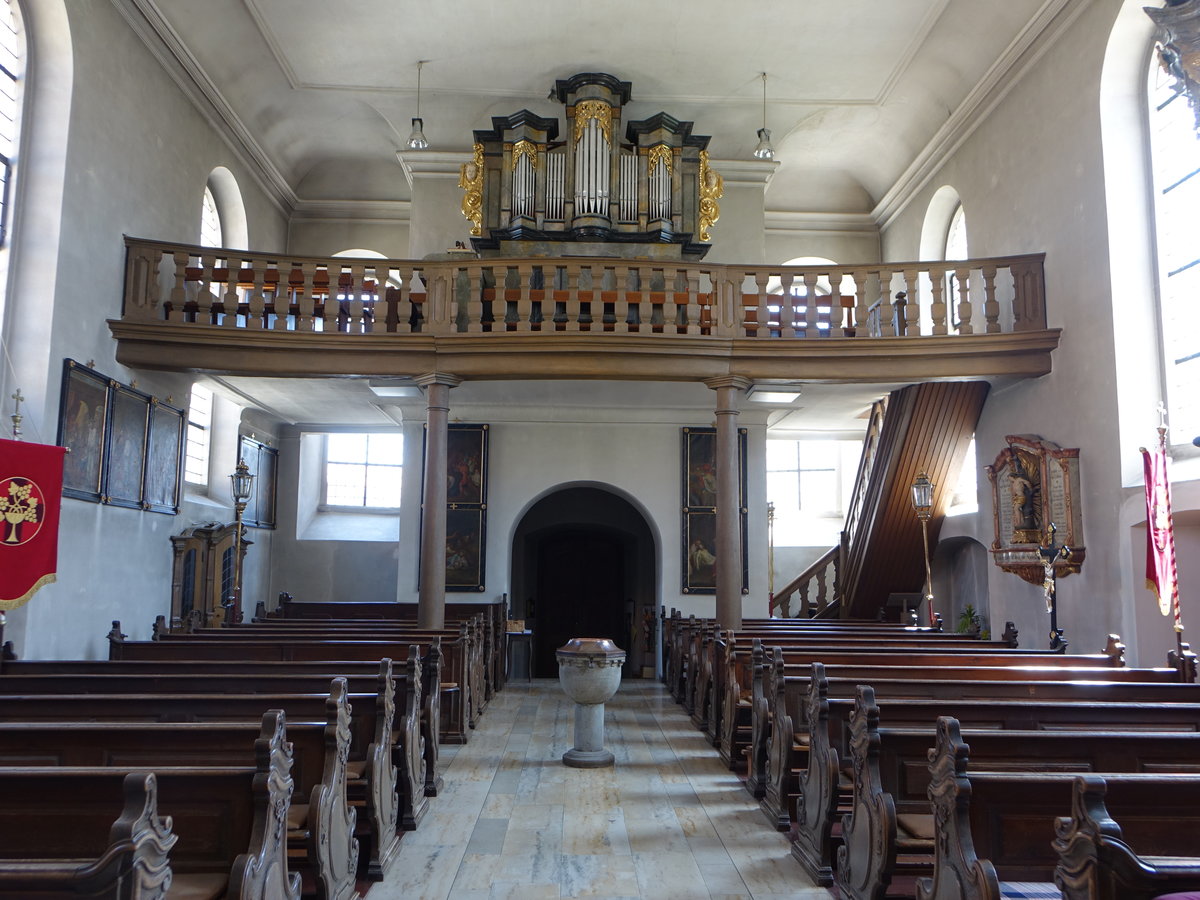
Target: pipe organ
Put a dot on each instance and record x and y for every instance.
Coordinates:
(590, 192)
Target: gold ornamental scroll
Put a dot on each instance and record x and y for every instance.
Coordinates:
(470, 179)
(661, 153)
(712, 188)
(524, 148)
(586, 110)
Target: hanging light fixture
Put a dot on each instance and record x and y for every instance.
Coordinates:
(416, 140)
(764, 150)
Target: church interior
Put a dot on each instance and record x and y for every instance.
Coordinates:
(647, 323)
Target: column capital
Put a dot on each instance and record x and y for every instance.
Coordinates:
(432, 378)
(738, 382)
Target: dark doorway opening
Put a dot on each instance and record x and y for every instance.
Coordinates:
(581, 592)
(584, 566)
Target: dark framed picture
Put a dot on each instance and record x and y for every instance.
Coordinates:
(699, 496)
(699, 564)
(466, 464)
(82, 429)
(263, 463)
(465, 542)
(128, 425)
(164, 458)
(700, 468)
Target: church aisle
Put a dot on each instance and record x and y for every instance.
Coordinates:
(668, 821)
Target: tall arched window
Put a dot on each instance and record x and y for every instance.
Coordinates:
(1175, 162)
(210, 220)
(12, 54)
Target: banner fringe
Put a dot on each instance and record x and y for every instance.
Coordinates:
(28, 595)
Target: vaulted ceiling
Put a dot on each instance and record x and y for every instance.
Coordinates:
(320, 92)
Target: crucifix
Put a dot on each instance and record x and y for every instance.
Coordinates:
(16, 414)
(1050, 553)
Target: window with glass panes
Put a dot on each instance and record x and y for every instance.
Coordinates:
(363, 470)
(11, 52)
(210, 221)
(1175, 158)
(199, 435)
(803, 481)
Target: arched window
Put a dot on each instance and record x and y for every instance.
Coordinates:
(12, 54)
(1175, 163)
(210, 220)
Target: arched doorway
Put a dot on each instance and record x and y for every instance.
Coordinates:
(583, 566)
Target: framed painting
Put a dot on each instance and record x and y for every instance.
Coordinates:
(466, 464)
(128, 426)
(164, 458)
(465, 541)
(699, 496)
(700, 468)
(82, 429)
(263, 462)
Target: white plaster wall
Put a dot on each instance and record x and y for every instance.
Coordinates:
(1031, 178)
(843, 247)
(323, 237)
(137, 159)
(640, 462)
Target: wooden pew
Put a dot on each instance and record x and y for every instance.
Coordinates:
(1097, 859)
(469, 632)
(408, 730)
(324, 824)
(454, 661)
(251, 676)
(130, 862)
(997, 827)
(493, 613)
(888, 789)
(229, 821)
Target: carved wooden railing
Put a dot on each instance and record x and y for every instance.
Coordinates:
(821, 575)
(253, 291)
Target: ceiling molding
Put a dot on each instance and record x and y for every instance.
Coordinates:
(425, 164)
(375, 211)
(910, 52)
(273, 45)
(1035, 39)
(756, 172)
(789, 222)
(148, 23)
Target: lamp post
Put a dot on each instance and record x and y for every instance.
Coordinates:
(241, 485)
(922, 501)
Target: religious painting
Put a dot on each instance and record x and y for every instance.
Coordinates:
(700, 467)
(699, 495)
(701, 537)
(263, 462)
(128, 422)
(82, 427)
(464, 549)
(466, 464)
(164, 458)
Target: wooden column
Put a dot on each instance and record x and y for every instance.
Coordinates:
(729, 543)
(431, 601)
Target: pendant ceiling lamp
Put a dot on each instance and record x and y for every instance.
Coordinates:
(764, 150)
(417, 140)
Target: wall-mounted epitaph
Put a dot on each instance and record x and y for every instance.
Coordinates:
(1035, 484)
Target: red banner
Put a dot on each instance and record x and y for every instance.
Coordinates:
(1162, 576)
(30, 497)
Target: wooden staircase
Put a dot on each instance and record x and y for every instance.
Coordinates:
(921, 428)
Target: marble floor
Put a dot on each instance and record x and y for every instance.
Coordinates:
(667, 821)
